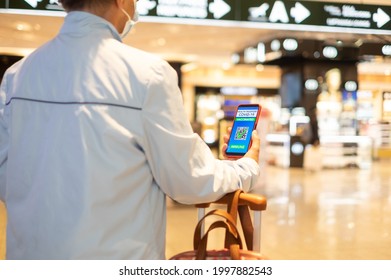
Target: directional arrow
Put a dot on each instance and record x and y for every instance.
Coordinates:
(144, 6)
(300, 13)
(33, 3)
(381, 18)
(260, 11)
(219, 8)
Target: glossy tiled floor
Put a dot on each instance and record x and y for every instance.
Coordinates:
(331, 214)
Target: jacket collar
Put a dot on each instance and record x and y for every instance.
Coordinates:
(82, 23)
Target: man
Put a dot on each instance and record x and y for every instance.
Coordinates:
(93, 137)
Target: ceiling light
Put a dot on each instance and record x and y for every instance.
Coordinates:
(290, 44)
(261, 52)
(351, 86)
(275, 45)
(330, 52)
(250, 55)
(22, 26)
(386, 50)
(311, 84)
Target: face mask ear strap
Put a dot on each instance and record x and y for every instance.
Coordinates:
(128, 26)
(135, 13)
(135, 16)
(123, 10)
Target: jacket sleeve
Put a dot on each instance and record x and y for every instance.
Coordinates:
(3, 140)
(182, 164)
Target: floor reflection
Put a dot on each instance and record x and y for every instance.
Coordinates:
(331, 214)
(328, 214)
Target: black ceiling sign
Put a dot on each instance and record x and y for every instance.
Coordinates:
(298, 15)
(186, 9)
(190, 9)
(325, 14)
(38, 5)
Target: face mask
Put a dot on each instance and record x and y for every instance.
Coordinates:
(129, 23)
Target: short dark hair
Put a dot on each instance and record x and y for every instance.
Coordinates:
(75, 5)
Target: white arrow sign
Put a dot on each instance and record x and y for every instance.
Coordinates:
(260, 11)
(381, 18)
(144, 6)
(279, 13)
(219, 8)
(33, 3)
(299, 12)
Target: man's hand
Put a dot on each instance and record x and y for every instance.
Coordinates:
(225, 145)
(253, 152)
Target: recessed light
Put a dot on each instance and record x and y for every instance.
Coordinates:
(22, 26)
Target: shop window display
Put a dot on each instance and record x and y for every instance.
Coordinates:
(329, 105)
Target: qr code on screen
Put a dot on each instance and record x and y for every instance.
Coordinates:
(241, 133)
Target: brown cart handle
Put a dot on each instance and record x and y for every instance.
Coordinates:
(254, 201)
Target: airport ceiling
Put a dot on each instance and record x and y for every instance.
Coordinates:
(175, 41)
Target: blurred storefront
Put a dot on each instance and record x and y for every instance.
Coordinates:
(309, 64)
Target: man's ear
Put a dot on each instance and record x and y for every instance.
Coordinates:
(120, 3)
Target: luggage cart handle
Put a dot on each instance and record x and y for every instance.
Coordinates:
(253, 201)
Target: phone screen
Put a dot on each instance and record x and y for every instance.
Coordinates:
(245, 122)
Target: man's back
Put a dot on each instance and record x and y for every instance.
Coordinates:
(75, 153)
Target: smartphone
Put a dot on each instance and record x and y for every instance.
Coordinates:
(245, 121)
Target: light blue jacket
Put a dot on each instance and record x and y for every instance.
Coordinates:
(93, 136)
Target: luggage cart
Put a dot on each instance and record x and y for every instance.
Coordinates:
(256, 203)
